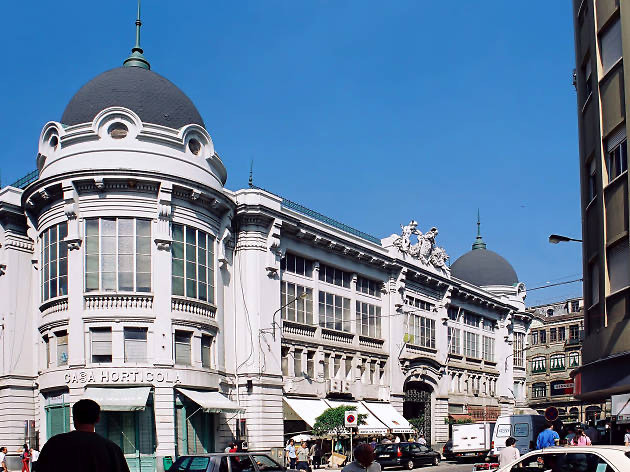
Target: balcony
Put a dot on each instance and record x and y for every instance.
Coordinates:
(298, 329)
(54, 305)
(370, 342)
(193, 307)
(337, 336)
(112, 301)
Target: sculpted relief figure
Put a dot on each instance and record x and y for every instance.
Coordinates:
(424, 249)
(403, 242)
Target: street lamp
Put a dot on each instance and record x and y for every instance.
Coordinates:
(558, 238)
(301, 296)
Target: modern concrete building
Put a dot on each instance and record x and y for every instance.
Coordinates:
(602, 37)
(195, 314)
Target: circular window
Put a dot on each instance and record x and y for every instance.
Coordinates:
(118, 130)
(53, 142)
(194, 146)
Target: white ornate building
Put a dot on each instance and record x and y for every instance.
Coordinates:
(131, 275)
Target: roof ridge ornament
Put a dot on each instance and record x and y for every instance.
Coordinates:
(479, 242)
(425, 250)
(136, 58)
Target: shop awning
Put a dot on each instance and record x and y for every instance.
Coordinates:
(388, 415)
(212, 402)
(119, 399)
(372, 424)
(308, 409)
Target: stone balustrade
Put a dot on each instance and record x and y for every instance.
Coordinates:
(193, 307)
(115, 301)
(298, 329)
(54, 306)
(337, 336)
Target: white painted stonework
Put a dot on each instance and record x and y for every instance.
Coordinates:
(151, 173)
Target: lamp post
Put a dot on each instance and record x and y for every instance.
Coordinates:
(301, 296)
(558, 238)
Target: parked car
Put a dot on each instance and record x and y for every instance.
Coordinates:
(447, 450)
(407, 455)
(576, 458)
(224, 462)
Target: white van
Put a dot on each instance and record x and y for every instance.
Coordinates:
(523, 428)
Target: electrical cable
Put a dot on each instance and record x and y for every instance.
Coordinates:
(249, 326)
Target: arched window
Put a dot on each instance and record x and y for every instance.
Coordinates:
(539, 364)
(574, 359)
(539, 390)
(556, 362)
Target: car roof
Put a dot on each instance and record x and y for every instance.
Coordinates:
(212, 454)
(599, 447)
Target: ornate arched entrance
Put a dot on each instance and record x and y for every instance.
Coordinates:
(417, 406)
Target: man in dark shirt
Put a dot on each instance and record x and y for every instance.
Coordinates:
(83, 449)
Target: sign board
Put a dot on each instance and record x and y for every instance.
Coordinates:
(551, 413)
(350, 420)
(562, 387)
(621, 408)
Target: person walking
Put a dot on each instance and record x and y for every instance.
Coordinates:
(3, 461)
(363, 460)
(580, 439)
(547, 437)
(290, 454)
(82, 450)
(303, 456)
(25, 456)
(34, 459)
(316, 455)
(626, 437)
(509, 453)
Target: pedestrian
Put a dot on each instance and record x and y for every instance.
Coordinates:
(386, 440)
(3, 463)
(397, 439)
(580, 439)
(303, 456)
(548, 437)
(25, 456)
(363, 460)
(421, 440)
(82, 450)
(34, 459)
(290, 454)
(592, 432)
(626, 437)
(316, 455)
(509, 453)
(570, 435)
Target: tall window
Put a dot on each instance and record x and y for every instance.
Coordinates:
(420, 330)
(617, 161)
(334, 311)
(472, 320)
(368, 319)
(193, 263)
(488, 325)
(453, 313)
(562, 333)
(574, 332)
(543, 336)
(610, 46)
(454, 342)
(368, 286)
(182, 347)
(310, 364)
(47, 345)
(135, 344)
(118, 255)
(592, 179)
(101, 345)
(297, 363)
(54, 259)
(62, 347)
(301, 310)
(327, 367)
(471, 344)
(335, 276)
(556, 362)
(519, 349)
(348, 365)
(297, 265)
(539, 364)
(284, 353)
(534, 337)
(488, 349)
(574, 359)
(553, 335)
(206, 351)
(588, 77)
(539, 390)
(426, 306)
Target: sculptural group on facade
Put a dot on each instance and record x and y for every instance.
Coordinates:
(425, 249)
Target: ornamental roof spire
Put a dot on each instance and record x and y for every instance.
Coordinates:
(136, 58)
(479, 242)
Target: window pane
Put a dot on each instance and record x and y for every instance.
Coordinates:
(125, 227)
(178, 286)
(143, 228)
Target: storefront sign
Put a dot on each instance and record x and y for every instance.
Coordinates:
(120, 376)
(562, 387)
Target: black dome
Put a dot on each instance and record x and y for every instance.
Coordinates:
(482, 267)
(152, 97)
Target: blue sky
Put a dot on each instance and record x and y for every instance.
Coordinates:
(370, 112)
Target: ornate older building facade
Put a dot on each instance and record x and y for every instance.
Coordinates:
(195, 314)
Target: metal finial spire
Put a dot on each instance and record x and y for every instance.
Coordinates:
(479, 242)
(251, 174)
(137, 59)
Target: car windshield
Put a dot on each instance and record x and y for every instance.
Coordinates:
(384, 449)
(267, 464)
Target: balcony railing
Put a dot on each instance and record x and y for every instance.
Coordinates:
(103, 301)
(337, 336)
(298, 329)
(193, 307)
(369, 341)
(54, 306)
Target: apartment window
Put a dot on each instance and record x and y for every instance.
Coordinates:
(556, 362)
(54, 260)
(539, 390)
(471, 319)
(62, 347)
(488, 349)
(135, 344)
(543, 336)
(453, 313)
(574, 332)
(310, 364)
(574, 359)
(327, 371)
(206, 351)
(373, 378)
(101, 345)
(334, 311)
(594, 283)
(519, 349)
(592, 179)
(471, 344)
(381, 373)
(368, 286)
(575, 306)
(368, 319)
(562, 333)
(336, 366)
(420, 331)
(534, 337)
(618, 268)
(297, 265)
(360, 369)
(284, 360)
(488, 325)
(348, 366)
(334, 276)
(588, 76)
(553, 335)
(539, 364)
(617, 160)
(193, 263)
(297, 363)
(454, 341)
(610, 46)
(416, 302)
(47, 347)
(182, 347)
(117, 255)
(301, 309)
